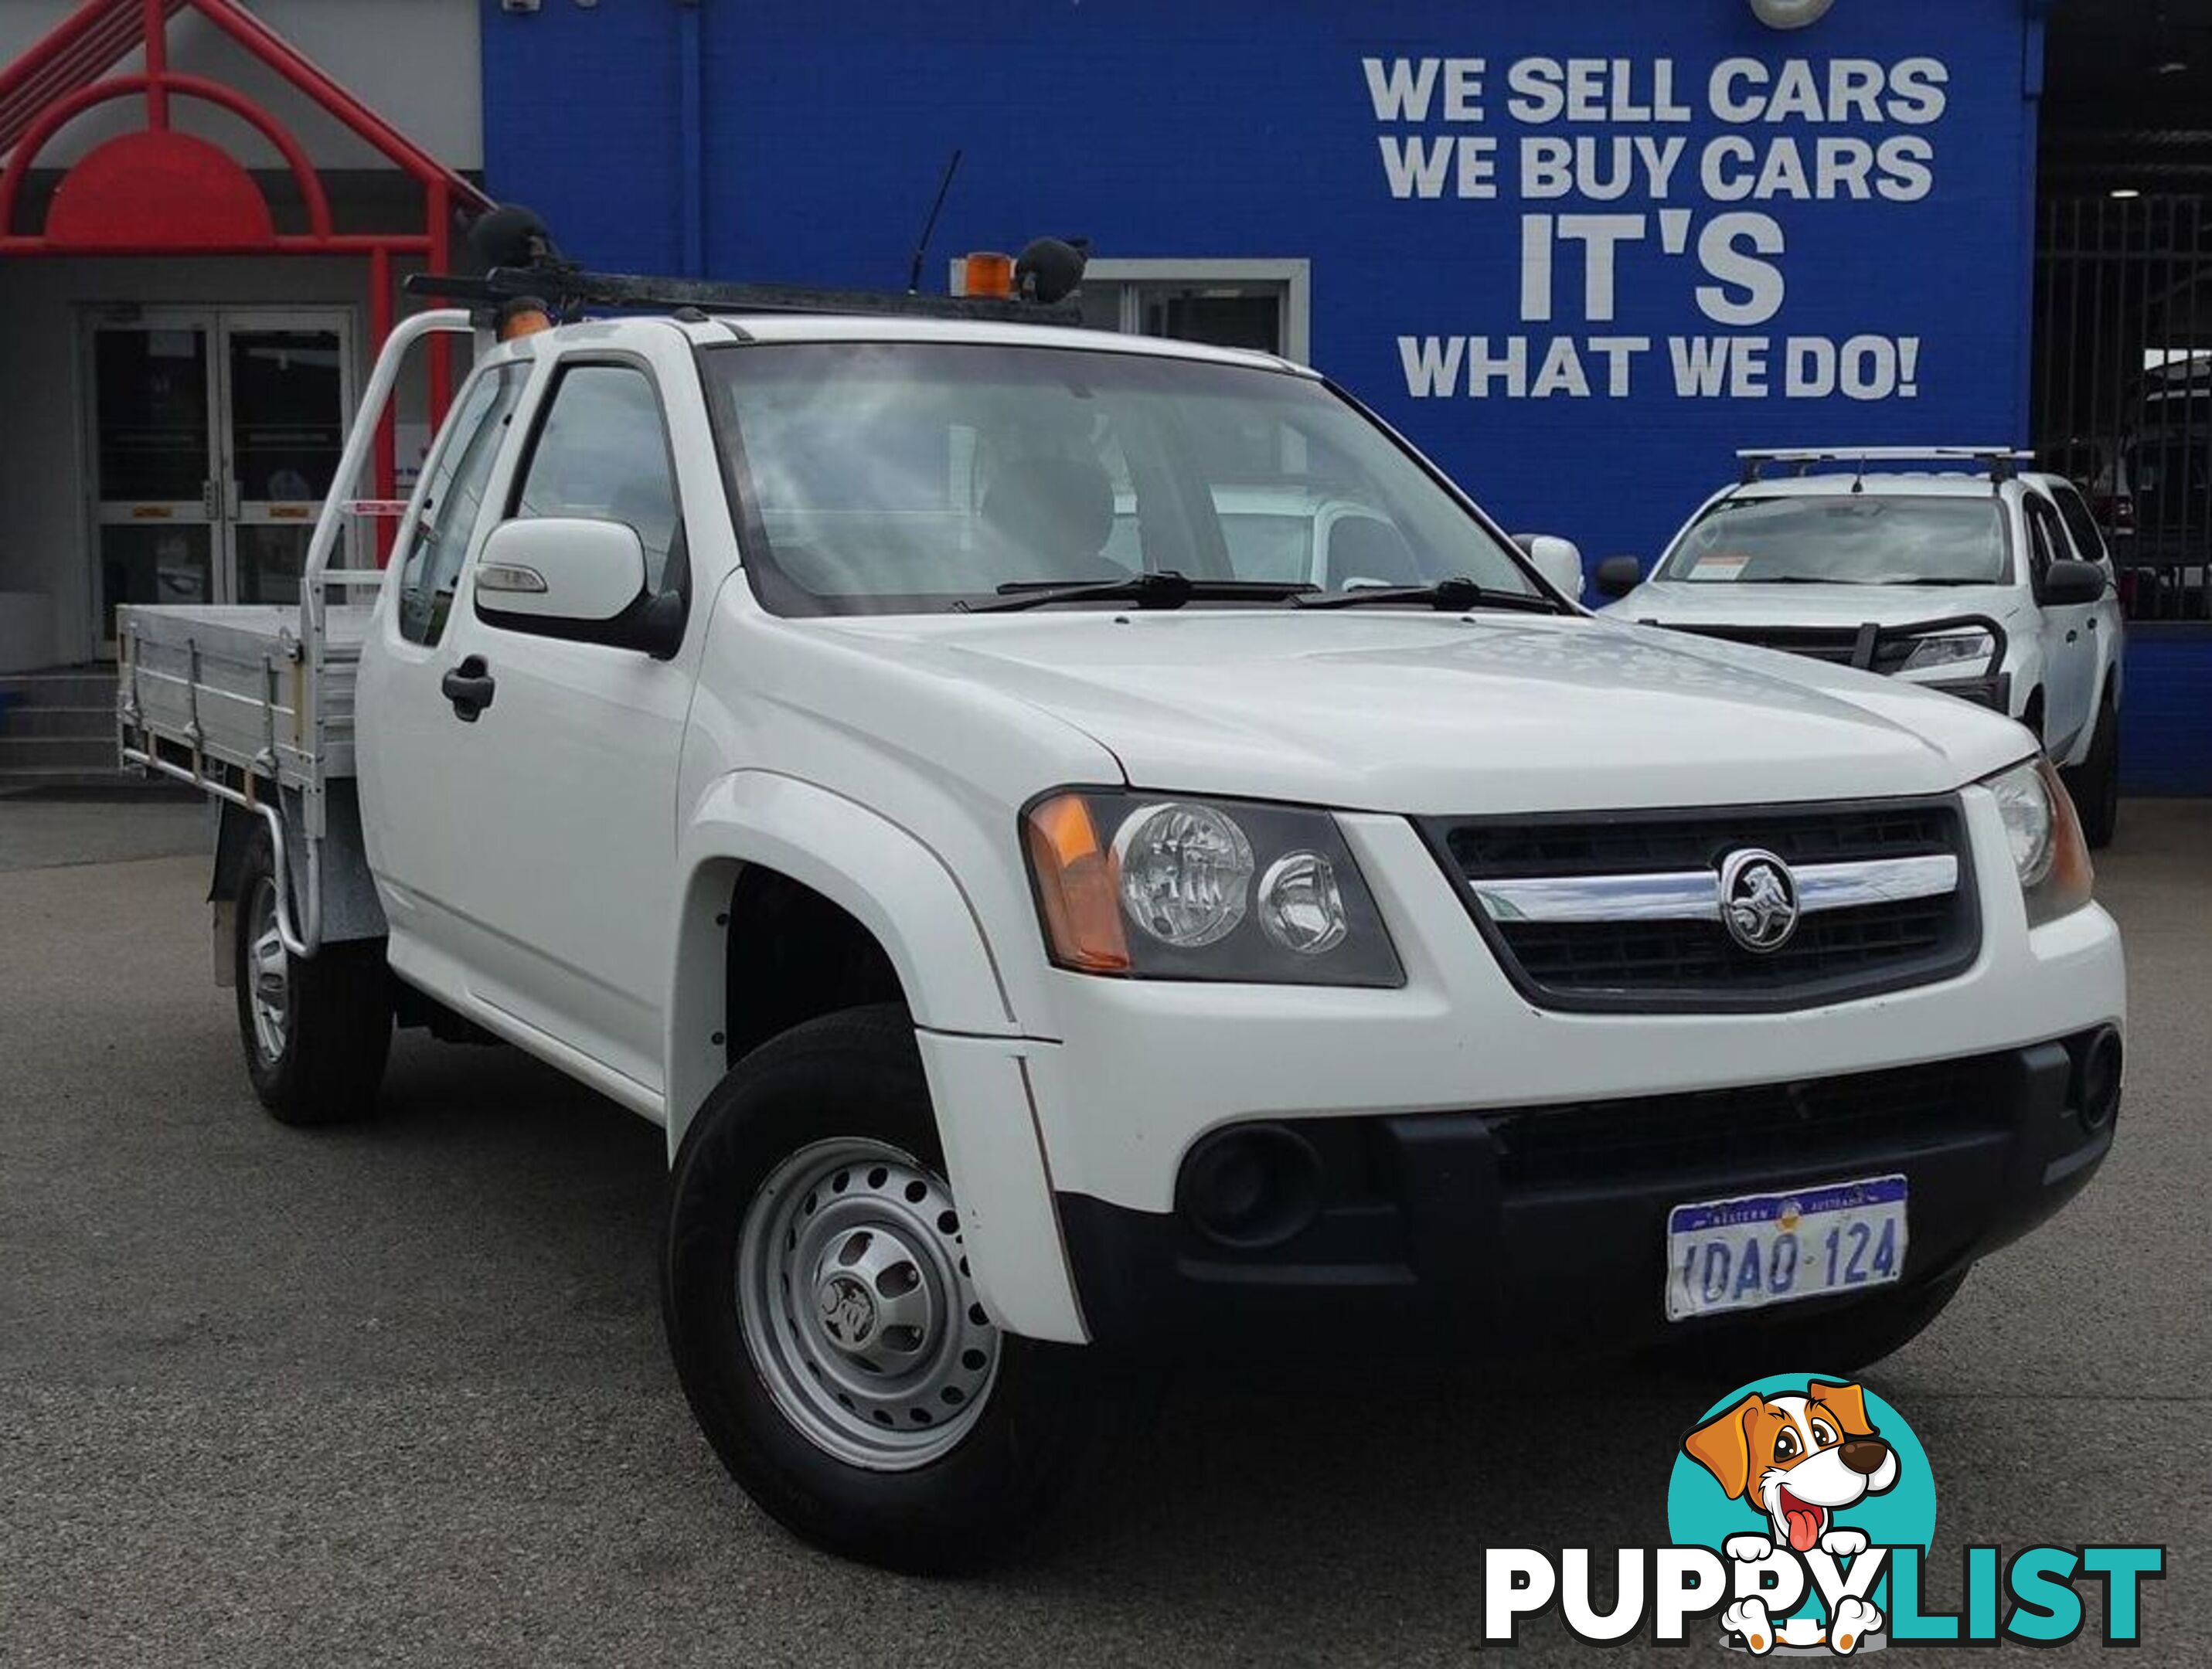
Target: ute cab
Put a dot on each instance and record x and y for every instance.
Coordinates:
(1974, 578)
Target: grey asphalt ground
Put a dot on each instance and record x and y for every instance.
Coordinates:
(397, 1393)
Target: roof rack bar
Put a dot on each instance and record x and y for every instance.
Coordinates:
(570, 290)
(2000, 461)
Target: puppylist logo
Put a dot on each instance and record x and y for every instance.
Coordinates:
(1800, 1515)
(1811, 1500)
(1821, 1503)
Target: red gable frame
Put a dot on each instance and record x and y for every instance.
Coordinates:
(157, 191)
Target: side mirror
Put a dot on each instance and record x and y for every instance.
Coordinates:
(1617, 576)
(2071, 582)
(1555, 559)
(576, 578)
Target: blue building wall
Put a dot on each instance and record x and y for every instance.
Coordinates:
(1742, 283)
(2165, 722)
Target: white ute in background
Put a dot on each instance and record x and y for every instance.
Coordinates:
(1043, 959)
(1970, 577)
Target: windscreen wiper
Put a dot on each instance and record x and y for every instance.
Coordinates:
(1456, 593)
(1164, 590)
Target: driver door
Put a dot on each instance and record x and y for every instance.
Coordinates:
(562, 787)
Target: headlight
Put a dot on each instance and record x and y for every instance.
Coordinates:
(1300, 905)
(2024, 803)
(1158, 887)
(1949, 650)
(2048, 852)
(1186, 872)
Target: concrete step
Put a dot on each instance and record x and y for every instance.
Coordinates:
(23, 720)
(120, 787)
(73, 686)
(57, 753)
(107, 784)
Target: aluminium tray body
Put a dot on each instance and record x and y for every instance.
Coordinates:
(228, 691)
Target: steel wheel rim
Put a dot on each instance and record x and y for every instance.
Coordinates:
(857, 1307)
(270, 972)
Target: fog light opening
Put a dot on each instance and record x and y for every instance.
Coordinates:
(1250, 1187)
(2097, 1082)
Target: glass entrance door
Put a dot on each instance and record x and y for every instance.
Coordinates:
(216, 434)
(156, 509)
(284, 398)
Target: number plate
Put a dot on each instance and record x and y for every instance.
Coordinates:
(1739, 1254)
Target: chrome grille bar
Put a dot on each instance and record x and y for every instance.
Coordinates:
(1695, 895)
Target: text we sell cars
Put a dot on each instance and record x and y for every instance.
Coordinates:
(1620, 91)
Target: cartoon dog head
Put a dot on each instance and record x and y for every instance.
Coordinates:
(1800, 1458)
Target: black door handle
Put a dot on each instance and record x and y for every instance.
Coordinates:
(469, 687)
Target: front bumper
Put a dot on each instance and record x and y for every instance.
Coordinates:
(1449, 1232)
(1076, 1141)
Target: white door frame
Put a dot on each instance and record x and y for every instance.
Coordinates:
(1294, 274)
(220, 508)
(1296, 277)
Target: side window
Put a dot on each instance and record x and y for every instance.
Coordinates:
(603, 453)
(2045, 544)
(2088, 542)
(450, 502)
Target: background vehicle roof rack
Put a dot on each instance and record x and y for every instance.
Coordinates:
(2002, 462)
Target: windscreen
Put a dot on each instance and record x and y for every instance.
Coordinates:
(919, 476)
(1848, 538)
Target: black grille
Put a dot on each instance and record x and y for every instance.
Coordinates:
(1838, 644)
(1890, 1113)
(1654, 965)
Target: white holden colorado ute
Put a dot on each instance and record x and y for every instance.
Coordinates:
(1972, 577)
(1042, 960)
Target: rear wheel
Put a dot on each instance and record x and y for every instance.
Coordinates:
(824, 1325)
(315, 1031)
(2095, 782)
(1837, 1341)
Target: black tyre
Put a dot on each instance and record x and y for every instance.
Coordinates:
(2095, 782)
(315, 1031)
(1838, 1340)
(824, 1326)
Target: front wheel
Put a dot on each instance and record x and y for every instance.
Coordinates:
(819, 1308)
(2095, 783)
(315, 1031)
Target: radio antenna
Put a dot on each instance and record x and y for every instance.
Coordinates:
(929, 226)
